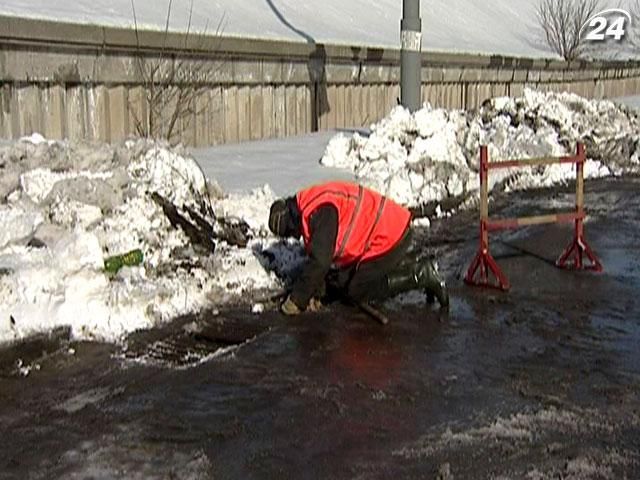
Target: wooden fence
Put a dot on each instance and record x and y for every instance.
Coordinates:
(88, 82)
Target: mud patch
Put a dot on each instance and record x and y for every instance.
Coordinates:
(189, 344)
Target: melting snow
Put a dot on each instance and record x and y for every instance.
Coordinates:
(66, 206)
(434, 153)
(70, 205)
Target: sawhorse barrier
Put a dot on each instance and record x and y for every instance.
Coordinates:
(571, 258)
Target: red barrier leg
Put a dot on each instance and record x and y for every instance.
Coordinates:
(483, 264)
(486, 264)
(572, 257)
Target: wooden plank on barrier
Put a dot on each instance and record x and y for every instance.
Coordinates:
(580, 178)
(529, 162)
(506, 223)
(484, 184)
(484, 198)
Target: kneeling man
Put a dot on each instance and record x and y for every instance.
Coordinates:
(357, 242)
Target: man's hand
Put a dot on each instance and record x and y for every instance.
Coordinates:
(288, 307)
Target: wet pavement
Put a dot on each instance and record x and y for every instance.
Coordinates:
(542, 382)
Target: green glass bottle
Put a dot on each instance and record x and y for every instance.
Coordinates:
(129, 259)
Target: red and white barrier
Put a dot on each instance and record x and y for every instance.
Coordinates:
(484, 264)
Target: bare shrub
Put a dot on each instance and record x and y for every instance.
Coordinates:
(172, 83)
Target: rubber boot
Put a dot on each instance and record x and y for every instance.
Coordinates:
(432, 282)
(421, 275)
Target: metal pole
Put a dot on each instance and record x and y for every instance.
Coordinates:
(410, 60)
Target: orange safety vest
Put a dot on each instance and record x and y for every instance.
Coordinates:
(369, 225)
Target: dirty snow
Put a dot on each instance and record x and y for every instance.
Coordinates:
(553, 426)
(433, 154)
(518, 428)
(66, 206)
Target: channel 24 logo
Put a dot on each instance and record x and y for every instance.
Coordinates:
(609, 23)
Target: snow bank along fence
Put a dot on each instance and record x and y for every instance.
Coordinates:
(88, 82)
(484, 264)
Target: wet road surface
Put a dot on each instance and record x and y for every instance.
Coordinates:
(541, 382)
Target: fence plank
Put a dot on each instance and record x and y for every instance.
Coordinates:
(137, 110)
(5, 110)
(340, 106)
(332, 100)
(244, 113)
(30, 108)
(381, 104)
(230, 102)
(256, 102)
(202, 118)
(98, 111)
(268, 124)
(279, 110)
(395, 96)
(349, 106)
(216, 116)
(290, 110)
(301, 110)
(54, 112)
(188, 124)
(118, 114)
(368, 103)
(77, 113)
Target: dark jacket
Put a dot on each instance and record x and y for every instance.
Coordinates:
(324, 230)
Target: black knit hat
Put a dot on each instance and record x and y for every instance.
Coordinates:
(278, 218)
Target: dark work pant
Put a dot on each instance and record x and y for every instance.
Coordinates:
(368, 280)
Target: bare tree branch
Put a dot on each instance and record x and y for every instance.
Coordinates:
(634, 37)
(561, 21)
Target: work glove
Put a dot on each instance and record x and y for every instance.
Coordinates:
(315, 305)
(288, 307)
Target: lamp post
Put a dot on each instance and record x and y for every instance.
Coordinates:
(410, 56)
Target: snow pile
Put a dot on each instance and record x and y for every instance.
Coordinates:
(433, 154)
(67, 206)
